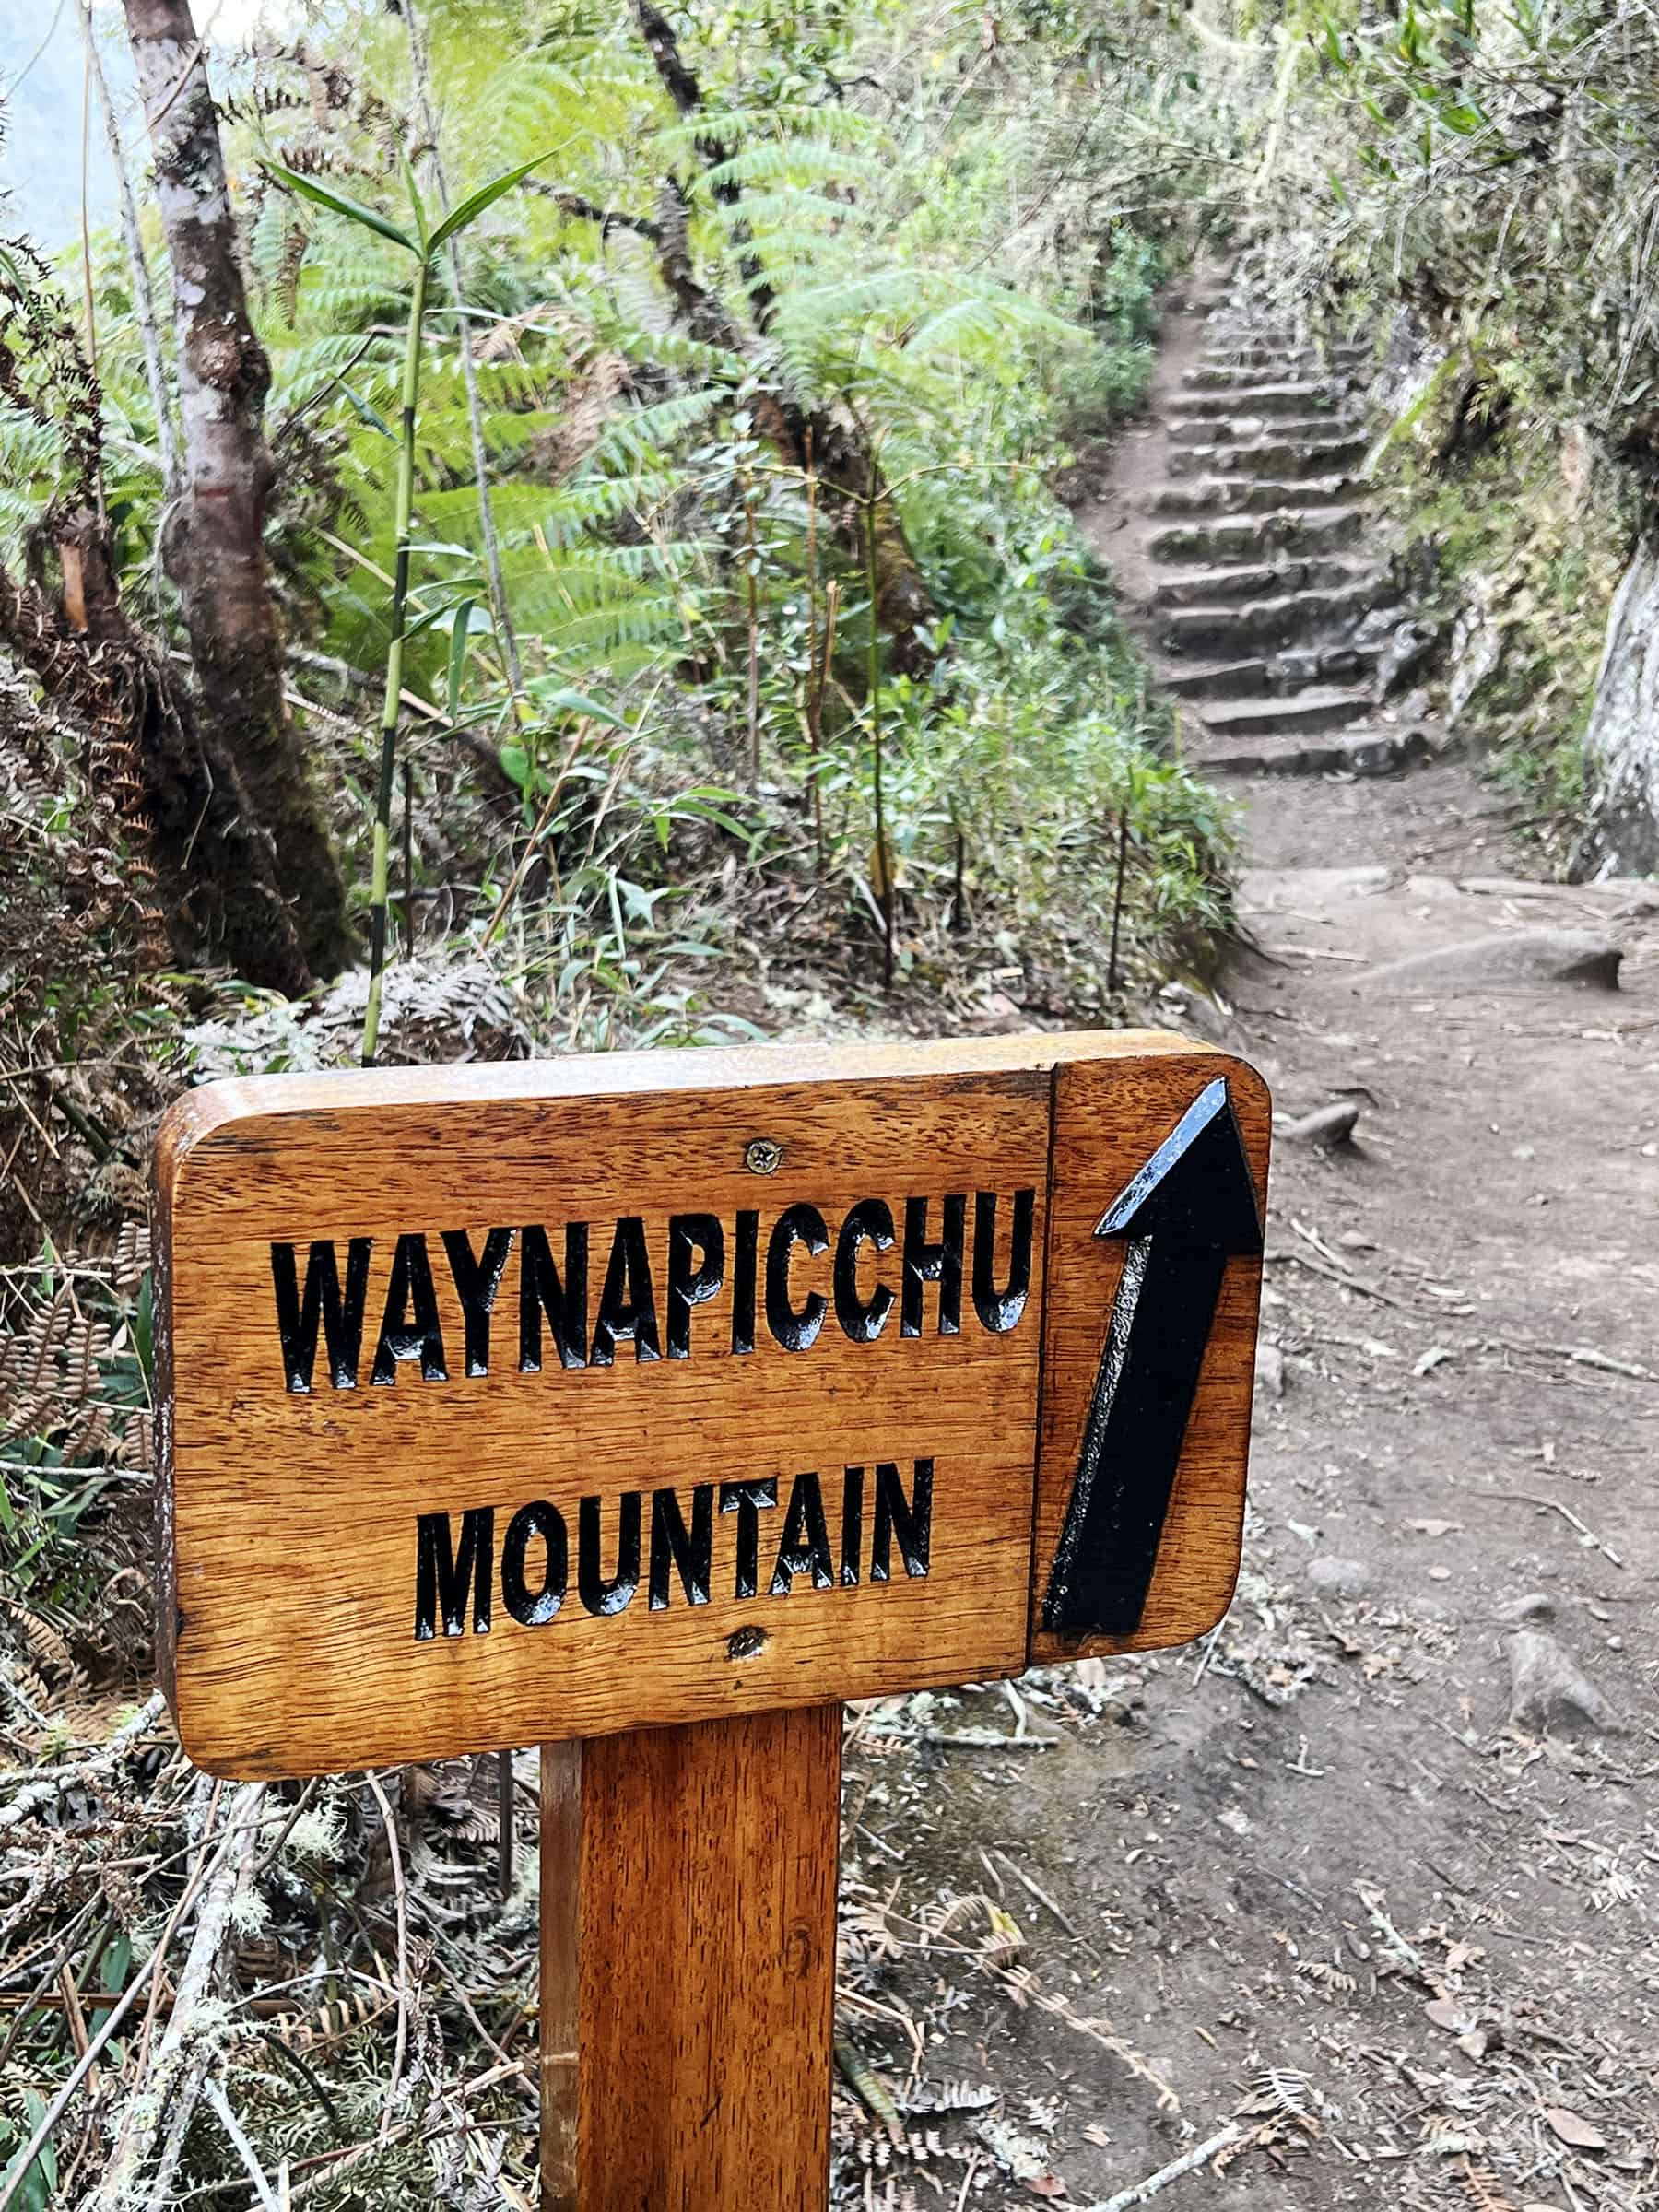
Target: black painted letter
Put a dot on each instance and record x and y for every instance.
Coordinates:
(597, 1595)
(852, 1486)
(798, 1225)
(476, 1282)
(745, 1499)
(804, 1548)
(671, 1546)
(342, 1319)
(688, 1286)
(410, 1328)
(1000, 1309)
(940, 1262)
(443, 1574)
(911, 1519)
(870, 1221)
(744, 1270)
(535, 1607)
(627, 1303)
(542, 1291)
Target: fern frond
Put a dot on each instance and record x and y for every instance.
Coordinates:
(640, 434)
(780, 160)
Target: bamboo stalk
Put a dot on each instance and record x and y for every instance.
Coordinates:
(813, 684)
(500, 610)
(389, 714)
(873, 687)
(752, 602)
(1117, 897)
(409, 863)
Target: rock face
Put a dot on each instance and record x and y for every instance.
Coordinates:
(1622, 741)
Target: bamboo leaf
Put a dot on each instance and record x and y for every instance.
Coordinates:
(559, 699)
(418, 207)
(365, 413)
(353, 211)
(474, 205)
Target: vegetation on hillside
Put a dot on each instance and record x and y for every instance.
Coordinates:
(1471, 184)
(737, 590)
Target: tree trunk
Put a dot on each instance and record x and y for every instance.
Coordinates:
(200, 870)
(1621, 744)
(840, 451)
(214, 552)
(144, 300)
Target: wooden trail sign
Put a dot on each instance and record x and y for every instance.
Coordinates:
(640, 1392)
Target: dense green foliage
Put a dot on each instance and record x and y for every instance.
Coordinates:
(934, 247)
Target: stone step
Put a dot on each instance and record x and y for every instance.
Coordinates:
(1228, 376)
(1252, 352)
(1300, 396)
(1221, 496)
(1302, 666)
(1229, 343)
(1269, 457)
(1236, 430)
(1219, 679)
(1351, 752)
(1303, 713)
(1291, 530)
(1277, 621)
(1275, 676)
(1261, 580)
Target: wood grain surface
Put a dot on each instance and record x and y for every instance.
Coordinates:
(294, 1523)
(706, 1978)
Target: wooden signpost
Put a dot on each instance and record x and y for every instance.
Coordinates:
(651, 1405)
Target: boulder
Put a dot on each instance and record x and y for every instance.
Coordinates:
(1339, 1577)
(1332, 1124)
(1512, 959)
(1550, 1693)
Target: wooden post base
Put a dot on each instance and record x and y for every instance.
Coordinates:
(688, 1883)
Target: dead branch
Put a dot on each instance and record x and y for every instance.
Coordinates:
(167, 2088)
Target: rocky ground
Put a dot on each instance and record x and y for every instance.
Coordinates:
(1355, 1898)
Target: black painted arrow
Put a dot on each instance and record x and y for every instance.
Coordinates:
(1183, 1215)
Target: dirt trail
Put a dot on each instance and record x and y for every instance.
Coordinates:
(1313, 1873)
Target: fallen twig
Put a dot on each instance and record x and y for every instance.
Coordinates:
(41, 1785)
(215, 2094)
(176, 2075)
(967, 1739)
(1554, 1505)
(1341, 1274)
(1037, 1891)
(402, 1958)
(1024, 1987)
(1188, 2162)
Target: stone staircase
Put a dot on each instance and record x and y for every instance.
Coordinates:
(1250, 568)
